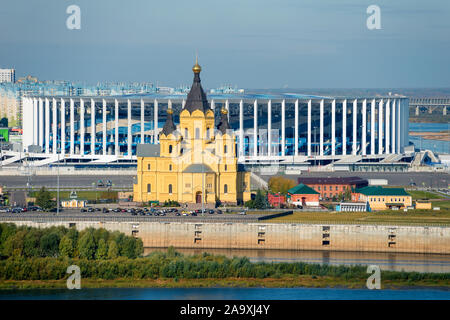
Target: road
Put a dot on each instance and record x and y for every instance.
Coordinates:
(422, 179)
(73, 215)
(68, 181)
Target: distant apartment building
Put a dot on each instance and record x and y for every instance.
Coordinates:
(7, 75)
(329, 187)
(11, 93)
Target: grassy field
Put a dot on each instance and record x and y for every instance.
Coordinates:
(415, 217)
(287, 281)
(418, 195)
(84, 195)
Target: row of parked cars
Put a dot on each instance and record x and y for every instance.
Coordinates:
(152, 211)
(22, 209)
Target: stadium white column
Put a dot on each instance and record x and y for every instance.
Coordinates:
(35, 121)
(116, 127)
(364, 127)
(72, 126)
(41, 123)
(227, 107)
(93, 127)
(283, 127)
(142, 119)
(54, 133)
(269, 127)
(81, 126)
(241, 128)
(296, 129)
(255, 128)
(104, 139)
(309, 127)
(333, 127)
(47, 125)
(213, 105)
(393, 126)
(344, 127)
(372, 127)
(321, 127)
(129, 134)
(155, 121)
(399, 132)
(355, 132)
(63, 127)
(183, 104)
(380, 127)
(388, 127)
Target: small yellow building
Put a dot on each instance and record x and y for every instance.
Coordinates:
(423, 205)
(194, 162)
(380, 198)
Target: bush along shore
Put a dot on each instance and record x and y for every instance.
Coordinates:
(38, 258)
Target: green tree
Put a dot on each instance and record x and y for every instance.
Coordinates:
(280, 184)
(113, 250)
(102, 250)
(86, 245)
(260, 201)
(49, 244)
(31, 243)
(66, 247)
(44, 199)
(129, 248)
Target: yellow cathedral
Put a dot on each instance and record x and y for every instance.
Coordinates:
(194, 163)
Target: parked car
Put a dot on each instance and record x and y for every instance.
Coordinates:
(108, 183)
(100, 183)
(105, 210)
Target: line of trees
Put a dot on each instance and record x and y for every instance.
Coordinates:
(173, 265)
(89, 244)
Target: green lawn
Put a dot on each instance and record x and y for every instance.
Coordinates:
(419, 217)
(84, 195)
(418, 195)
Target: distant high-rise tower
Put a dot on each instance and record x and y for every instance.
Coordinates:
(7, 75)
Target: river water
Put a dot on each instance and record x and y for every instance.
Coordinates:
(386, 261)
(225, 294)
(433, 145)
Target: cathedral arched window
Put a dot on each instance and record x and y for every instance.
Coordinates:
(197, 133)
(170, 148)
(225, 188)
(225, 149)
(170, 167)
(149, 188)
(170, 188)
(186, 133)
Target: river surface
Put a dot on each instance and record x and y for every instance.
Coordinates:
(386, 261)
(226, 294)
(433, 145)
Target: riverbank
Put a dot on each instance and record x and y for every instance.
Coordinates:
(303, 281)
(439, 136)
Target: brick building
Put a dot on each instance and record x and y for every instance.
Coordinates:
(330, 187)
(302, 195)
(276, 199)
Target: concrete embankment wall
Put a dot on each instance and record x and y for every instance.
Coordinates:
(262, 235)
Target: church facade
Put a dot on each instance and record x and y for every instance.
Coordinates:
(195, 162)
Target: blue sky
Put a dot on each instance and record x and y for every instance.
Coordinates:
(250, 43)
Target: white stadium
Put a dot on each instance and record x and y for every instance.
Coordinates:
(295, 129)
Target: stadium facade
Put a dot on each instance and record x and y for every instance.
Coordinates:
(282, 128)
